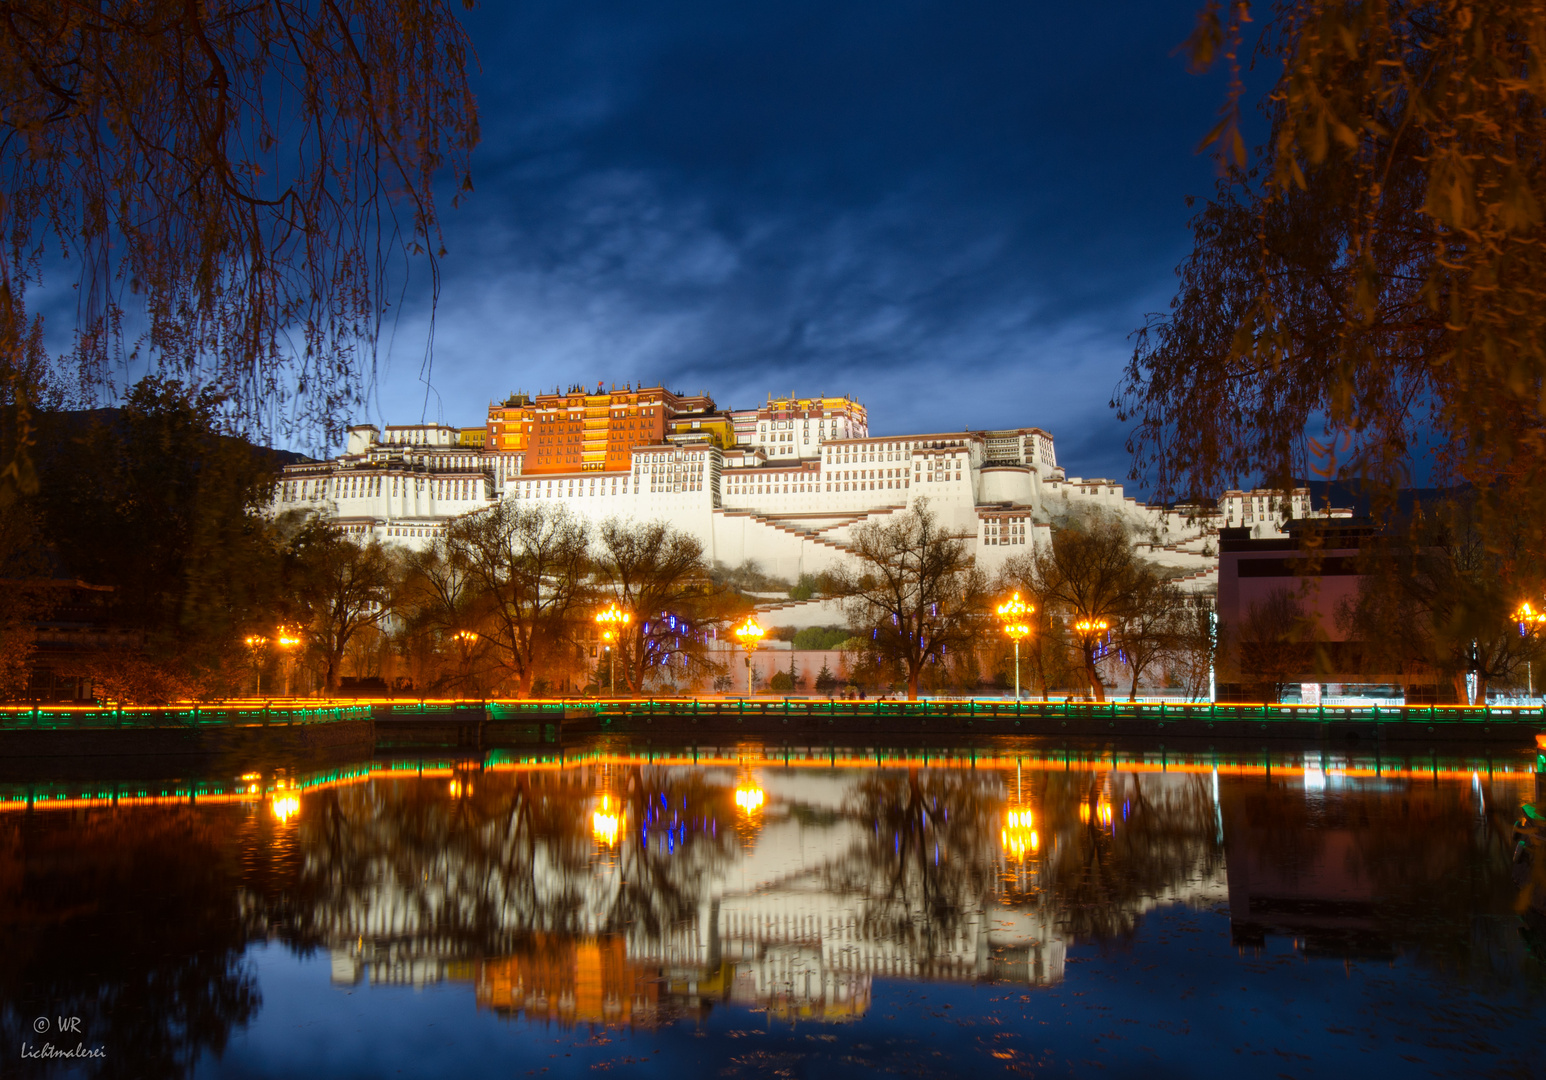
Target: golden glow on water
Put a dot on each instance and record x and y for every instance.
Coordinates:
(1020, 842)
(286, 807)
(252, 789)
(749, 798)
(606, 822)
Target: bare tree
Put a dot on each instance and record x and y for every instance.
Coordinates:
(1273, 639)
(341, 587)
(440, 602)
(532, 564)
(1090, 571)
(658, 575)
(1438, 598)
(1194, 646)
(914, 589)
(1147, 633)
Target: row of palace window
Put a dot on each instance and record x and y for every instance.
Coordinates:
(997, 532)
(364, 487)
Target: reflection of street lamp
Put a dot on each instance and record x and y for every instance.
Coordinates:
(1101, 810)
(606, 821)
(749, 634)
(1530, 622)
(1012, 613)
(611, 621)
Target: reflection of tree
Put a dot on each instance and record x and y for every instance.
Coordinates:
(1163, 834)
(483, 870)
(680, 832)
(926, 865)
(130, 921)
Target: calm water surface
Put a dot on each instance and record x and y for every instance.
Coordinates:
(751, 911)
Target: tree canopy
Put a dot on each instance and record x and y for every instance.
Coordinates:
(1366, 286)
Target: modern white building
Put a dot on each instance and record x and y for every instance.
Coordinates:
(801, 475)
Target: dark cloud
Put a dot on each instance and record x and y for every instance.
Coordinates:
(956, 212)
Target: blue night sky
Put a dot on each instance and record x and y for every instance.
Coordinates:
(955, 212)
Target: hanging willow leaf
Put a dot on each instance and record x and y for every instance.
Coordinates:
(229, 182)
(1380, 269)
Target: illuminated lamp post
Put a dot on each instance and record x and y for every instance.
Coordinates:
(288, 641)
(749, 634)
(1012, 613)
(255, 642)
(611, 621)
(1530, 622)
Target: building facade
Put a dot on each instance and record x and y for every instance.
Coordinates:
(783, 485)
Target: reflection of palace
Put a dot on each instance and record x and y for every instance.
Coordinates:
(793, 904)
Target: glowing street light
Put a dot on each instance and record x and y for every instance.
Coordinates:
(1013, 614)
(1091, 628)
(255, 642)
(1530, 622)
(287, 640)
(749, 634)
(611, 621)
(286, 807)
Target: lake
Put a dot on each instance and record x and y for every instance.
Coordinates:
(1011, 908)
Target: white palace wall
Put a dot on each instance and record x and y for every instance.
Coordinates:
(998, 490)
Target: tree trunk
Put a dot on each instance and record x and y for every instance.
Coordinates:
(912, 682)
(1097, 690)
(330, 681)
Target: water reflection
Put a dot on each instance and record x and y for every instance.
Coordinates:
(617, 890)
(135, 925)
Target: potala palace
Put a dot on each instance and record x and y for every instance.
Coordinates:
(782, 485)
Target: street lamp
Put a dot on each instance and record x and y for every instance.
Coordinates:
(611, 621)
(255, 642)
(1013, 614)
(749, 634)
(286, 640)
(1530, 622)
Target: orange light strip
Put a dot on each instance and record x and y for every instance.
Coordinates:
(317, 704)
(1187, 766)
